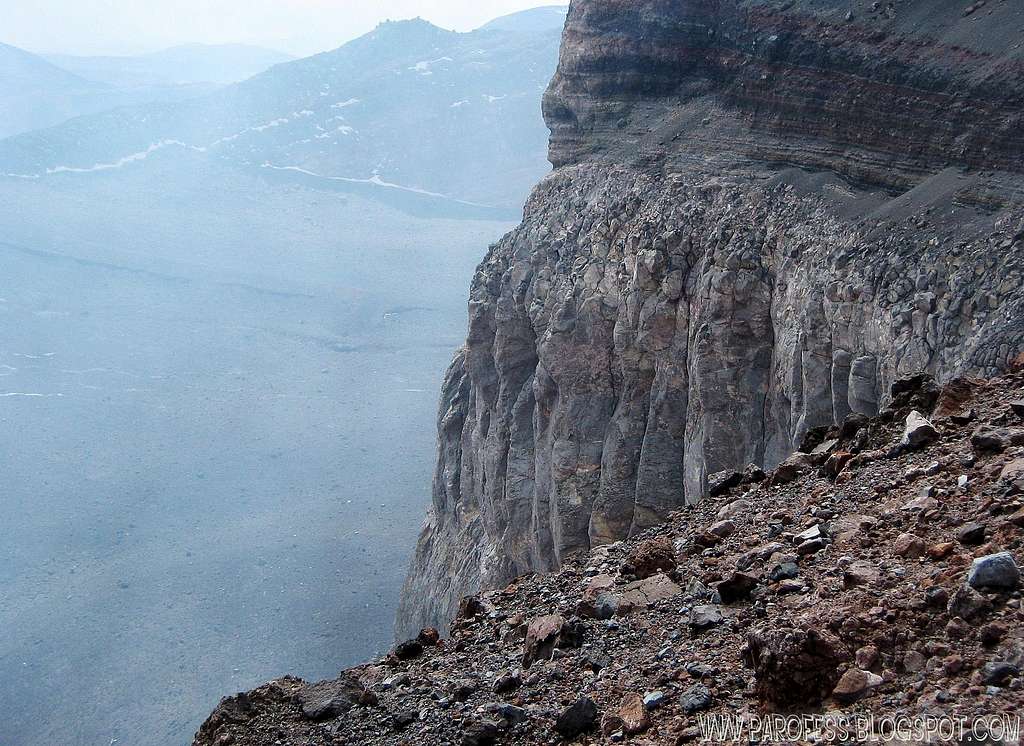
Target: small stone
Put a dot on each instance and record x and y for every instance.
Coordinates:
(471, 607)
(510, 713)
(649, 558)
(967, 604)
(814, 532)
(866, 657)
(918, 431)
(695, 699)
(999, 673)
(507, 682)
(603, 607)
(963, 417)
(991, 634)
(826, 447)
(836, 463)
(936, 597)
(922, 503)
(1017, 407)
(723, 529)
(793, 665)
(463, 690)
(791, 468)
(790, 586)
(783, 571)
(952, 665)
(398, 680)
(854, 684)
(429, 636)
(910, 546)
(633, 715)
(913, 662)
(1013, 472)
(643, 593)
(987, 439)
(734, 509)
(941, 550)
(703, 618)
(480, 733)
(546, 634)
(736, 587)
(721, 482)
(860, 572)
(700, 670)
(994, 571)
(811, 546)
(404, 718)
(597, 660)
(654, 700)
(971, 534)
(408, 650)
(576, 719)
(326, 700)
(957, 629)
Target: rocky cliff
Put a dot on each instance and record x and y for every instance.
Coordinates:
(762, 214)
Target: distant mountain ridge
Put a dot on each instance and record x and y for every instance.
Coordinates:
(187, 64)
(41, 91)
(34, 92)
(358, 113)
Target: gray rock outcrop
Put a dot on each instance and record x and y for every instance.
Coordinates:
(734, 249)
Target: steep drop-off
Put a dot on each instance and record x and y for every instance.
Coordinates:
(873, 581)
(762, 214)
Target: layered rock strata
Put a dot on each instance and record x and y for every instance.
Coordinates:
(762, 214)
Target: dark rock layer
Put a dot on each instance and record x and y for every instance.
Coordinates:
(763, 214)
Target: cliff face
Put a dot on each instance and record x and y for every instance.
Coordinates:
(762, 214)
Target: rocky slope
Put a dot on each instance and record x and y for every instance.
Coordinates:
(874, 573)
(763, 213)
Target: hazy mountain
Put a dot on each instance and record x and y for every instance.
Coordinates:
(188, 65)
(203, 360)
(35, 93)
(548, 18)
(38, 92)
(407, 106)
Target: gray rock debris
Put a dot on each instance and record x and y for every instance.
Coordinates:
(998, 571)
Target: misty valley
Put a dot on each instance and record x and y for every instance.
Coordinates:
(218, 379)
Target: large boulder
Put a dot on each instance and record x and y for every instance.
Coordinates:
(644, 593)
(918, 431)
(546, 634)
(854, 684)
(651, 557)
(330, 699)
(995, 571)
(578, 718)
(794, 665)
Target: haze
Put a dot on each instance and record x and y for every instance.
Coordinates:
(300, 27)
(231, 284)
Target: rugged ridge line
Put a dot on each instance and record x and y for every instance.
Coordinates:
(762, 215)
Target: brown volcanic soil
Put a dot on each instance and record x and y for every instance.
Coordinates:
(880, 599)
